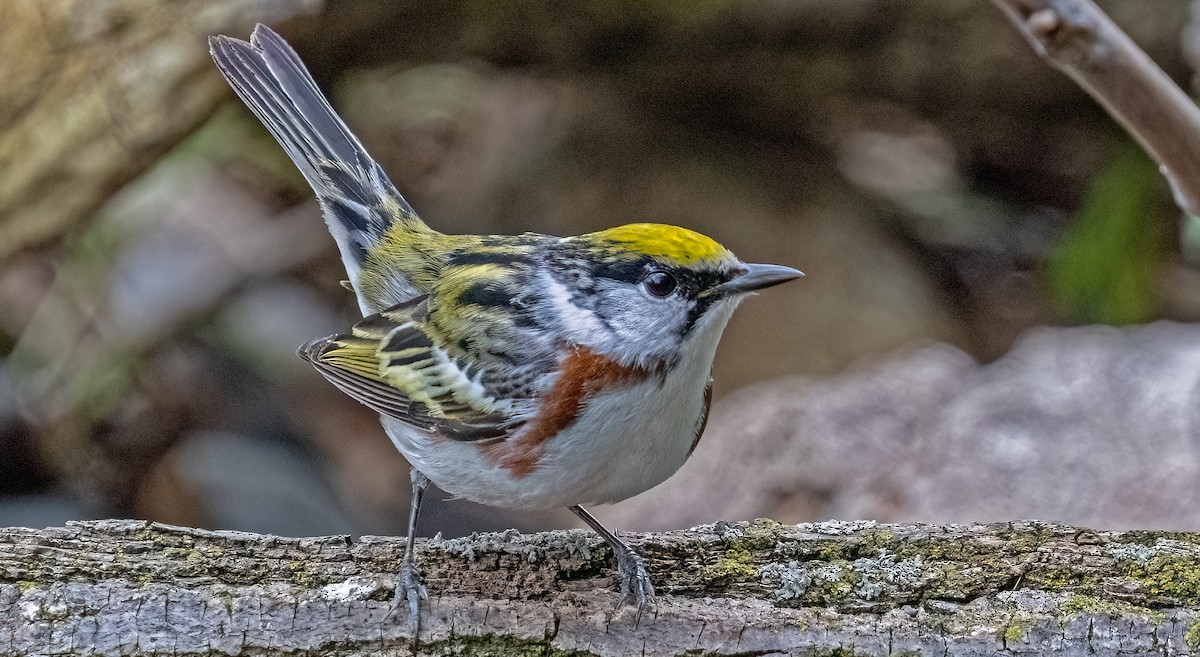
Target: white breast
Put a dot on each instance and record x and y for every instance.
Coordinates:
(625, 441)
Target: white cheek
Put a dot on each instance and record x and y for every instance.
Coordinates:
(649, 321)
(647, 329)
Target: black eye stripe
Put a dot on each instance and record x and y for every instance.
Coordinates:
(636, 272)
(627, 271)
(633, 270)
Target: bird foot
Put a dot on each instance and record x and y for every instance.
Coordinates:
(636, 588)
(409, 588)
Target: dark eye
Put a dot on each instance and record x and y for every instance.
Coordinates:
(659, 283)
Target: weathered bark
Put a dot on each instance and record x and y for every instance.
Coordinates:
(134, 588)
(94, 92)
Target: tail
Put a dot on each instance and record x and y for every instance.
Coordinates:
(359, 202)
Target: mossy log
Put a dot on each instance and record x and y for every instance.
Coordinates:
(135, 588)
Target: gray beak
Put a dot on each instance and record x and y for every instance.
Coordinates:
(757, 277)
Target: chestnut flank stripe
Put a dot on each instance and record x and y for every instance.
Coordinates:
(584, 373)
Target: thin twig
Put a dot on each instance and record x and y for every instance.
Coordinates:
(1077, 38)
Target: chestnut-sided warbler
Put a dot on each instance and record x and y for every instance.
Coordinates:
(521, 371)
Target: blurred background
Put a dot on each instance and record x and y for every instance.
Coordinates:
(957, 205)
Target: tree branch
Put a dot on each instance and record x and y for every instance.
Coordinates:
(96, 92)
(134, 588)
(1077, 38)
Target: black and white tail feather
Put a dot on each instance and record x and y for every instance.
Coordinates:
(357, 199)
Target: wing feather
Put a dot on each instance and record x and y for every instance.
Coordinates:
(388, 363)
(360, 205)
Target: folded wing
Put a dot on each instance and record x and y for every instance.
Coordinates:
(389, 363)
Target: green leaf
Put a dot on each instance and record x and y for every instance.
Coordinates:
(1106, 268)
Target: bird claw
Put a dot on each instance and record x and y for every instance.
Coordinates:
(409, 588)
(636, 588)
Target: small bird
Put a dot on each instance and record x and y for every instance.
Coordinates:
(520, 371)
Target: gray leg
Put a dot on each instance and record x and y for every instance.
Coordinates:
(408, 582)
(635, 582)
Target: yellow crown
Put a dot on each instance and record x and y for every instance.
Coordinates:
(671, 244)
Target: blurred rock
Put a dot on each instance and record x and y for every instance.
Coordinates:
(1091, 426)
(47, 509)
(251, 484)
